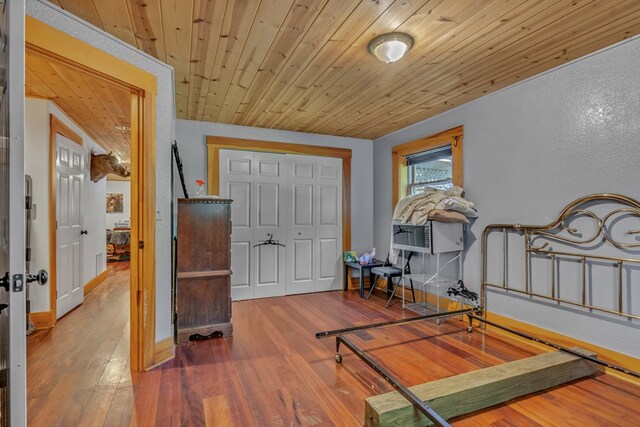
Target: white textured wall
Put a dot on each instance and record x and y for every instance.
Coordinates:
(165, 121)
(37, 165)
(191, 137)
(124, 188)
(529, 150)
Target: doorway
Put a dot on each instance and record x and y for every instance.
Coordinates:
(63, 49)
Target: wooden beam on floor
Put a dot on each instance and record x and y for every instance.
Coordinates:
(465, 393)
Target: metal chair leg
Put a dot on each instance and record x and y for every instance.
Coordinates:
(413, 294)
(393, 292)
(372, 285)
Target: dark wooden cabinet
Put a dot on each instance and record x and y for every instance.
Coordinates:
(203, 292)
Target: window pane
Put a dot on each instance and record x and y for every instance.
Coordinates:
(435, 173)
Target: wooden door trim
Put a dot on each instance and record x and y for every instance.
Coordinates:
(56, 126)
(61, 47)
(399, 152)
(217, 143)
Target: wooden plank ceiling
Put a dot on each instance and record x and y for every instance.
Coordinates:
(303, 64)
(95, 105)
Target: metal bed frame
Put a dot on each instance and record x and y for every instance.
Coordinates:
(632, 207)
(551, 232)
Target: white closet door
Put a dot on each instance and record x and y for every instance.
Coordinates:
(270, 202)
(236, 180)
(301, 247)
(255, 182)
(328, 195)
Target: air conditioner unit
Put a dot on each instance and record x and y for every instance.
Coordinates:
(432, 237)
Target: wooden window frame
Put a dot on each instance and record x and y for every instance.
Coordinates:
(59, 46)
(217, 143)
(400, 176)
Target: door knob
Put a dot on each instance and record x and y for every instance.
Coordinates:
(42, 277)
(84, 232)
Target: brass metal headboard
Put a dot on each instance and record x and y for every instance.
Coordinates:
(602, 235)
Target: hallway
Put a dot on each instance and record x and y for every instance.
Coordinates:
(92, 369)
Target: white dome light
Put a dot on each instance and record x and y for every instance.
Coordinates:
(390, 47)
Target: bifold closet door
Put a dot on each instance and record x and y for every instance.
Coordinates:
(296, 199)
(314, 244)
(255, 182)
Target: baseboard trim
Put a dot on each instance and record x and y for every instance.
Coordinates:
(93, 283)
(41, 319)
(164, 350)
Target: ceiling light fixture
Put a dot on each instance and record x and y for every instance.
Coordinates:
(122, 127)
(390, 47)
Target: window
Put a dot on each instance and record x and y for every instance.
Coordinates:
(433, 161)
(430, 169)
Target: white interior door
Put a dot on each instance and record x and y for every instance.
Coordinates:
(301, 247)
(69, 181)
(255, 183)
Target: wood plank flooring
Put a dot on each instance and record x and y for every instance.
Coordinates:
(273, 372)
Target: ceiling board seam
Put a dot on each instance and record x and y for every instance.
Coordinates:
(244, 43)
(95, 9)
(209, 77)
(267, 52)
(300, 39)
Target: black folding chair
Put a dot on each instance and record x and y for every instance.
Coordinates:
(389, 271)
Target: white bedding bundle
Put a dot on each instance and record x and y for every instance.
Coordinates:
(416, 208)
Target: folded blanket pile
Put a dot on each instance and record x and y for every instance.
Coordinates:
(419, 208)
(416, 208)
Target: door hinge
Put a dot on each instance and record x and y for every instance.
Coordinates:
(141, 244)
(18, 283)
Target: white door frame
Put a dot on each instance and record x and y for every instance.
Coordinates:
(17, 302)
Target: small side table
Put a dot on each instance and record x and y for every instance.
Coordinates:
(361, 269)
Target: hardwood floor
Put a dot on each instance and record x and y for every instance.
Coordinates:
(273, 372)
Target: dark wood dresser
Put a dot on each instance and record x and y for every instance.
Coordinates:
(203, 292)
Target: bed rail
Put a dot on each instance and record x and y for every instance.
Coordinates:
(538, 241)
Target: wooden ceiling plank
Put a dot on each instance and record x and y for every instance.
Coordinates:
(432, 21)
(314, 72)
(36, 86)
(208, 21)
(242, 18)
(88, 98)
(269, 20)
(177, 20)
(460, 25)
(630, 26)
(308, 34)
(342, 59)
(428, 75)
(83, 9)
(558, 36)
(470, 57)
(115, 19)
(147, 27)
(293, 30)
(70, 90)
